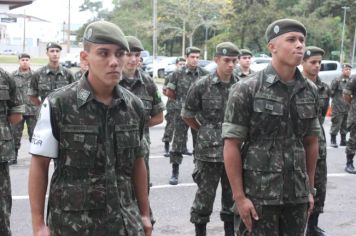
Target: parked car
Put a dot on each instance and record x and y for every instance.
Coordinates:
(203, 63)
(9, 52)
(259, 63)
(149, 68)
(69, 60)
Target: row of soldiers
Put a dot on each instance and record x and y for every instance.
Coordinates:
(260, 136)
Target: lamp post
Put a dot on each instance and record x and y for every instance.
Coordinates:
(342, 36)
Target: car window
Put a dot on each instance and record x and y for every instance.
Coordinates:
(328, 66)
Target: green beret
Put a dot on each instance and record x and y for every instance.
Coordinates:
(312, 51)
(190, 50)
(24, 55)
(53, 45)
(346, 65)
(245, 52)
(283, 26)
(227, 49)
(104, 32)
(179, 59)
(135, 44)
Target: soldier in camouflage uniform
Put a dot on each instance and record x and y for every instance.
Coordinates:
(350, 97)
(171, 114)
(244, 70)
(143, 86)
(93, 129)
(270, 132)
(81, 72)
(10, 114)
(177, 89)
(339, 107)
(50, 77)
(311, 67)
(207, 99)
(22, 77)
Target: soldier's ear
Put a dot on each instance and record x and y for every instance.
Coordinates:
(271, 47)
(84, 57)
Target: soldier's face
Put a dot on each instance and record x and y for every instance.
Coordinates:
(53, 54)
(192, 60)
(225, 65)
(245, 61)
(132, 61)
(105, 63)
(180, 64)
(287, 49)
(346, 72)
(311, 66)
(24, 63)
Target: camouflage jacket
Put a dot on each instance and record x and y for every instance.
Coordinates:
(10, 102)
(22, 81)
(44, 81)
(181, 80)
(78, 75)
(171, 104)
(338, 104)
(272, 119)
(91, 188)
(145, 88)
(207, 99)
(324, 99)
(350, 90)
(242, 76)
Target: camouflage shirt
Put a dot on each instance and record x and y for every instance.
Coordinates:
(272, 118)
(171, 104)
(207, 97)
(44, 81)
(78, 75)
(240, 75)
(145, 88)
(181, 80)
(22, 81)
(91, 188)
(338, 104)
(350, 90)
(10, 102)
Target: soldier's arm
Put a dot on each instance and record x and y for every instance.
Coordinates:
(157, 107)
(140, 185)
(33, 89)
(37, 187)
(15, 103)
(333, 87)
(172, 85)
(348, 91)
(193, 105)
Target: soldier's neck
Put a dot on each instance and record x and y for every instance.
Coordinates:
(53, 65)
(285, 72)
(311, 77)
(245, 70)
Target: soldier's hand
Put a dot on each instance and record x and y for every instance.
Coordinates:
(43, 231)
(170, 93)
(147, 226)
(311, 204)
(247, 211)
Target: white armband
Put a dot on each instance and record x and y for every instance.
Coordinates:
(43, 142)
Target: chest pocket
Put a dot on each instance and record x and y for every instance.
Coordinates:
(306, 108)
(269, 107)
(60, 82)
(127, 136)
(44, 87)
(78, 144)
(4, 92)
(147, 103)
(212, 103)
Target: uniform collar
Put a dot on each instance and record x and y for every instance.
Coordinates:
(215, 79)
(18, 72)
(272, 77)
(85, 93)
(137, 78)
(59, 71)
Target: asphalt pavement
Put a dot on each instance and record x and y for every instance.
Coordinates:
(171, 204)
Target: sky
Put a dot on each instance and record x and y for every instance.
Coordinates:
(56, 11)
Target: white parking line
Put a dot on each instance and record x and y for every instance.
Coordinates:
(25, 197)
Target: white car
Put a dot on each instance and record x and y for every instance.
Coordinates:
(166, 64)
(69, 60)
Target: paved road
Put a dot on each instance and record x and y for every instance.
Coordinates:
(171, 204)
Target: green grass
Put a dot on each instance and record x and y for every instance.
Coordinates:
(14, 60)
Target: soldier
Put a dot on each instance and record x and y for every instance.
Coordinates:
(177, 89)
(170, 114)
(274, 114)
(22, 77)
(339, 107)
(50, 77)
(311, 66)
(10, 114)
(81, 72)
(350, 97)
(207, 99)
(93, 130)
(244, 69)
(142, 85)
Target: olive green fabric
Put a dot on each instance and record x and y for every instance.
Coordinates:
(24, 55)
(190, 50)
(312, 51)
(227, 49)
(283, 26)
(53, 45)
(245, 51)
(135, 44)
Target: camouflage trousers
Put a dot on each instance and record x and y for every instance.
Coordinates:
(338, 123)
(180, 137)
(320, 181)
(169, 129)
(207, 176)
(5, 199)
(278, 220)
(18, 129)
(351, 142)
